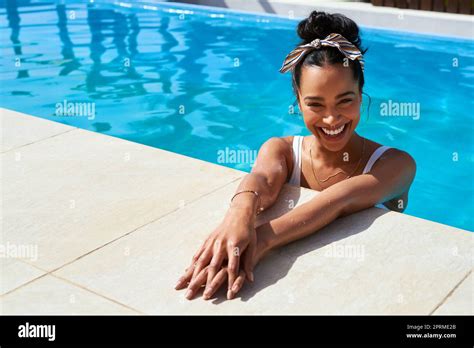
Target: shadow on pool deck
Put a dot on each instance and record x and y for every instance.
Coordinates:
(267, 275)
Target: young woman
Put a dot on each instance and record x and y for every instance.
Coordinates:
(352, 173)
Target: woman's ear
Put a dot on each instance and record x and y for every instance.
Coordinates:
(298, 99)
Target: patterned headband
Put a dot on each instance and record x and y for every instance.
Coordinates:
(332, 40)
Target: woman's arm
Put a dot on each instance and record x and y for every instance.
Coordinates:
(390, 177)
(237, 233)
(267, 178)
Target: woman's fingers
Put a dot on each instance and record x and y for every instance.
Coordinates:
(248, 261)
(203, 261)
(216, 283)
(233, 267)
(188, 273)
(196, 284)
(199, 252)
(216, 263)
(220, 278)
(239, 282)
(184, 280)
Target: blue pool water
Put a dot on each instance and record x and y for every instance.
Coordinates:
(204, 83)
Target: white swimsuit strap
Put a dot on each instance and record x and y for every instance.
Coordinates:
(297, 151)
(296, 173)
(374, 157)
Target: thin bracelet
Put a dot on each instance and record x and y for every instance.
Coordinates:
(259, 206)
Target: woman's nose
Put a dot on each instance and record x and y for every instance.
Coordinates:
(331, 118)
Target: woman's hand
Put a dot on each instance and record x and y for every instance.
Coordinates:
(257, 249)
(220, 278)
(228, 242)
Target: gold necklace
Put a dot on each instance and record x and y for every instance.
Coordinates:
(333, 175)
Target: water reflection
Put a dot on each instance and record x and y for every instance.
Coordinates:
(13, 18)
(70, 62)
(117, 78)
(188, 82)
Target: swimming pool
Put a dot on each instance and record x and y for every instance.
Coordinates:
(204, 82)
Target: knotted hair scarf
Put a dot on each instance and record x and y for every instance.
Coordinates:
(332, 40)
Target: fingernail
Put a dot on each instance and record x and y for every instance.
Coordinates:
(234, 288)
(207, 293)
(189, 294)
(251, 276)
(178, 283)
(229, 294)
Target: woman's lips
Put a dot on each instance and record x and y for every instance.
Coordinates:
(334, 134)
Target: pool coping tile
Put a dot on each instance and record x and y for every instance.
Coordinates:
(93, 189)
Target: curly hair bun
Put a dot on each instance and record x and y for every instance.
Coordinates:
(318, 25)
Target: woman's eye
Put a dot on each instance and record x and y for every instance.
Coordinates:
(315, 105)
(345, 101)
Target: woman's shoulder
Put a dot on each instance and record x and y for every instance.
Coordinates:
(392, 154)
(287, 139)
(277, 149)
(290, 138)
(278, 145)
(389, 150)
(372, 146)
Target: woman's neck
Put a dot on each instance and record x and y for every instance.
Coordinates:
(349, 154)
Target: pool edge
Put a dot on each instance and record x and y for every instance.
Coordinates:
(380, 224)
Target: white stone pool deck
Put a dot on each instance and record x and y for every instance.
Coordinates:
(115, 223)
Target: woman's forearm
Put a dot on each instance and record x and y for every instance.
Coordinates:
(245, 205)
(303, 220)
(341, 199)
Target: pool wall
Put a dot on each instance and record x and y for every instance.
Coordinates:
(365, 14)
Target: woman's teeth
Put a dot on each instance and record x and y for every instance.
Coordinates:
(333, 131)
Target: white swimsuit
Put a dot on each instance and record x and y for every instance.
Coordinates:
(297, 150)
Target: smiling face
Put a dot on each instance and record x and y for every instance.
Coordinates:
(330, 99)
